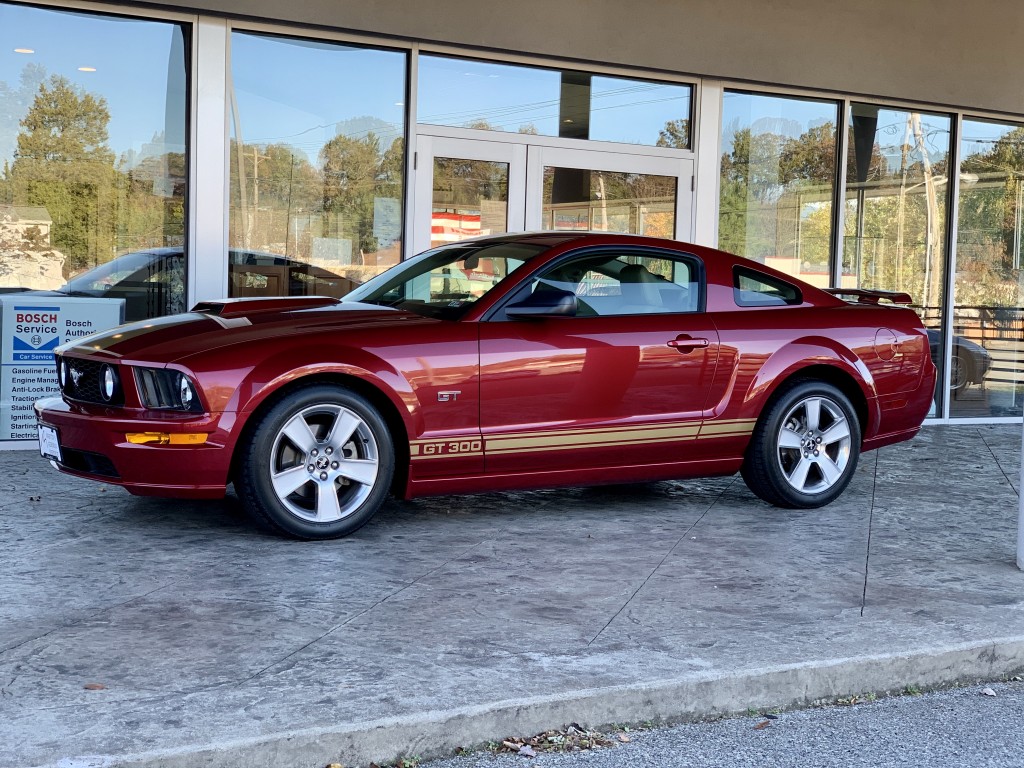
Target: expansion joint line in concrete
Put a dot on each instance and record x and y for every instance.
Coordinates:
(660, 563)
(871, 521)
(363, 612)
(995, 457)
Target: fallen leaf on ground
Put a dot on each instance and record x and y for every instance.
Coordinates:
(762, 725)
(623, 738)
(527, 751)
(987, 692)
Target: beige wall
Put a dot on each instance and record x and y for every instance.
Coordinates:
(953, 52)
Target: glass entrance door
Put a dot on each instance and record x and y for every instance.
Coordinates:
(468, 187)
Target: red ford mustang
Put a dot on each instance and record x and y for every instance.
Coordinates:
(515, 361)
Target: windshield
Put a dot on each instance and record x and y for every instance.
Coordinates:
(446, 281)
(108, 275)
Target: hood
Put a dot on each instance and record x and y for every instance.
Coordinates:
(212, 325)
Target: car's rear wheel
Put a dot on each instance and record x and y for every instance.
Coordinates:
(805, 447)
(318, 464)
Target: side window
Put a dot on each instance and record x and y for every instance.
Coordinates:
(754, 289)
(627, 283)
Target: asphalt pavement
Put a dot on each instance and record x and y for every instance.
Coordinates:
(150, 632)
(974, 727)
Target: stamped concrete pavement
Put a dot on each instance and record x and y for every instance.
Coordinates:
(454, 620)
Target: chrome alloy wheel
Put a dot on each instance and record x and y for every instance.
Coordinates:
(324, 463)
(813, 445)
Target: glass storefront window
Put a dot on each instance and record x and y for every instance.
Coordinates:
(987, 368)
(778, 181)
(92, 157)
(317, 165)
(896, 201)
(608, 201)
(466, 93)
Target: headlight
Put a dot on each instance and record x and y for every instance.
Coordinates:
(108, 382)
(166, 389)
(185, 392)
(62, 372)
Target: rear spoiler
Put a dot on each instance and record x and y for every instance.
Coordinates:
(864, 296)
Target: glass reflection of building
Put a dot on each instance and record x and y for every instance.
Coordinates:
(163, 157)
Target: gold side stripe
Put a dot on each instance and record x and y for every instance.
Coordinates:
(577, 447)
(560, 438)
(601, 430)
(576, 439)
(715, 429)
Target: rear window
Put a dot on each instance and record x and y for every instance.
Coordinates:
(754, 289)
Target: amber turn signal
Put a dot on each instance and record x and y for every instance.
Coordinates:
(166, 438)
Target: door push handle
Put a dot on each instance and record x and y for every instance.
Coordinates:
(688, 344)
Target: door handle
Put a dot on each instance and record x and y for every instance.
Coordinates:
(686, 344)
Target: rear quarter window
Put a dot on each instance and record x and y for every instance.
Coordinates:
(754, 289)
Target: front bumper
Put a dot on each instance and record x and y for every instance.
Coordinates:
(94, 445)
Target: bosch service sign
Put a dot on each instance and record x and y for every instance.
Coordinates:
(36, 333)
(32, 328)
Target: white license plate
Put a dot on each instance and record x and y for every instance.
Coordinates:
(49, 443)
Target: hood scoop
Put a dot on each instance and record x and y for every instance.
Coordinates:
(254, 306)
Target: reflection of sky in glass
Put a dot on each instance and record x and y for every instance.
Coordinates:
(136, 61)
(979, 137)
(460, 92)
(634, 111)
(304, 93)
(507, 97)
(895, 127)
(762, 113)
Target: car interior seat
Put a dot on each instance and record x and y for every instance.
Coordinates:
(640, 290)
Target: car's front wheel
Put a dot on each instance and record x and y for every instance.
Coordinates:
(318, 464)
(805, 447)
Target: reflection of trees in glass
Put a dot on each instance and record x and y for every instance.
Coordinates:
(776, 193)
(63, 164)
(896, 217)
(355, 173)
(282, 203)
(64, 167)
(991, 218)
(278, 189)
(15, 103)
(676, 134)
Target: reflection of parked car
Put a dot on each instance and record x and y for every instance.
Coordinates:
(152, 282)
(970, 361)
(688, 362)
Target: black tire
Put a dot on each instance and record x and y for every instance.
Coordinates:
(294, 464)
(800, 460)
(961, 372)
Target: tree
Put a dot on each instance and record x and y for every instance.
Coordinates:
(351, 168)
(63, 163)
(17, 101)
(676, 133)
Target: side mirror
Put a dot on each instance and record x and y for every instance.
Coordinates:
(544, 303)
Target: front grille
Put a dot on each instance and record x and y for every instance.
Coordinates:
(88, 462)
(82, 382)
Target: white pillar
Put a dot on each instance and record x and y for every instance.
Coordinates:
(208, 237)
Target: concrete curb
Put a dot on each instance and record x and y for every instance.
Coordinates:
(694, 697)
